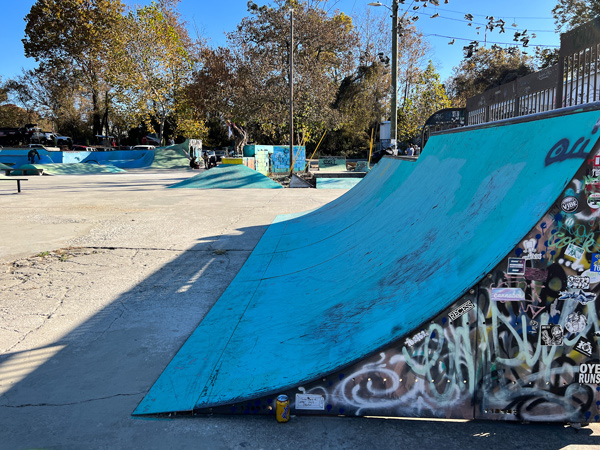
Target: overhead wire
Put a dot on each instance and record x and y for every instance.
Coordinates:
(480, 23)
(491, 42)
(512, 17)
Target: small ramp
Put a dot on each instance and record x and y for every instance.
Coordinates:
(229, 176)
(171, 157)
(337, 183)
(75, 168)
(386, 301)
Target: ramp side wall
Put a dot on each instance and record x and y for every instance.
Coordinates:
(334, 286)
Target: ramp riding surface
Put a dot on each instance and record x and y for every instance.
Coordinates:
(171, 157)
(76, 168)
(329, 288)
(229, 176)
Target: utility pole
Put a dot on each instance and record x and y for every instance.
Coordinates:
(291, 77)
(394, 112)
(394, 116)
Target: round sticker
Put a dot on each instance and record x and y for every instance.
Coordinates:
(594, 200)
(569, 204)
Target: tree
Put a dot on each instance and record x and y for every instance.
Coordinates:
(487, 68)
(413, 56)
(151, 61)
(426, 96)
(47, 93)
(570, 13)
(11, 115)
(546, 57)
(210, 93)
(363, 96)
(260, 49)
(72, 36)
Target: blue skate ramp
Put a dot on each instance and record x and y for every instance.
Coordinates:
(331, 287)
(229, 176)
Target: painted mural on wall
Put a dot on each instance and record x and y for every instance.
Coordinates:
(280, 159)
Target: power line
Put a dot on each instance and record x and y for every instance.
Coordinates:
(480, 23)
(512, 17)
(513, 44)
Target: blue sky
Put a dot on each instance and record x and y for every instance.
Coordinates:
(214, 18)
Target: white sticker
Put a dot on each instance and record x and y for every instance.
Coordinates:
(310, 402)
(574, 252)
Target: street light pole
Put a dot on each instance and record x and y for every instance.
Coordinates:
(394, 112)
(394, 116)
(291, 90)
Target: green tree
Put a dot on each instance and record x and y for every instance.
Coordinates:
(209, 95)
(570, 13)
(11, 115)
(546, 57)
(260, 49)
(72, 36)
(151, 62)
(414, 54)
(426, 96)
(48, 93)
(487, 68)
(363, 96)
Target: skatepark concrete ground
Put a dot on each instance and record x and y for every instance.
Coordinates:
(102, 279)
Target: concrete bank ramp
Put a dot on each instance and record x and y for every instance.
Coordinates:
(331, 288)
(229, 176)
(76, 168)
(171, 157)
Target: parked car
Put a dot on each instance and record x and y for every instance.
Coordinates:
(143, 147)
(220, 154)
(64, 140)
(81, 148)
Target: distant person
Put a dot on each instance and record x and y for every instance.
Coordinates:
(212, 159)
(417, 150)
(171, 141)
(194, 164)
(410, 151)
(32, 154)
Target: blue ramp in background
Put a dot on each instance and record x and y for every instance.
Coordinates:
(228, 176)
(329, 288)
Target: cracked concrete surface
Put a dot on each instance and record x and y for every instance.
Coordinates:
(102, 279)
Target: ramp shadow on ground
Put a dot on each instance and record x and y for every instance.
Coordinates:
(98, 371)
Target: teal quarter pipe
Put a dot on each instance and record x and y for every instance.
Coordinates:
(462, 285)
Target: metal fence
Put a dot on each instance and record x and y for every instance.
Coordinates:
(573, 81)
(530, 94)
